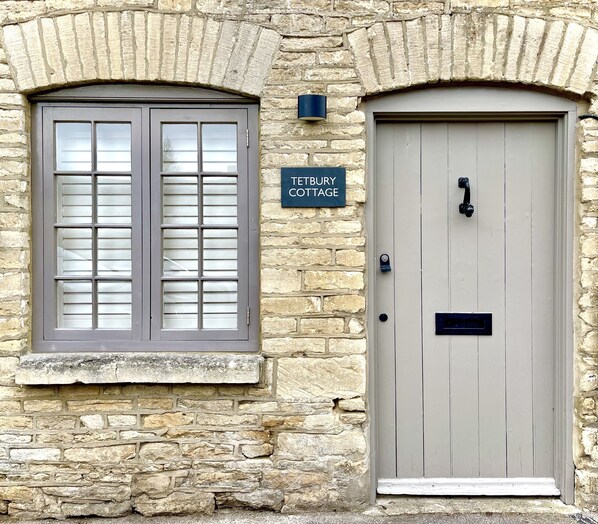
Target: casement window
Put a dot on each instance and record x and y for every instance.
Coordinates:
(145, 234)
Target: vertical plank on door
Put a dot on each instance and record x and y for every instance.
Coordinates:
(491, 297)
(435, 286)
(519, 141)
(407, 318)
(543, 163)
(463, 297)
(385, 331)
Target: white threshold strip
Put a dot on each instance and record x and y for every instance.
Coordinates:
(517, 487)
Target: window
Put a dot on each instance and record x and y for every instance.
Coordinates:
(145, 230)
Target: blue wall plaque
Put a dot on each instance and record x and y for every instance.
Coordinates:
(313, 186)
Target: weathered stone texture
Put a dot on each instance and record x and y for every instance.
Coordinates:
(288, 434)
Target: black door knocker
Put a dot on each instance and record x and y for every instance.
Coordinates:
(465, 208)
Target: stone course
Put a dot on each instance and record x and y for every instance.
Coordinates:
(295, 436)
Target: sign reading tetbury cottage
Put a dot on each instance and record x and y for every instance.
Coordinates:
(313, 186)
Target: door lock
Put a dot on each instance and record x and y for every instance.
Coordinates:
(465, 208)
(385, 263)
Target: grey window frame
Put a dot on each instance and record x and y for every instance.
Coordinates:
(147, 101)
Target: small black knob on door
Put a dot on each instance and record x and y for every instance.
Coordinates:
(383, 317)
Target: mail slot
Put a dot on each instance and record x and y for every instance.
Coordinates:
(464, 324)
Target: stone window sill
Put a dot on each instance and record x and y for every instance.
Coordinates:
(149, 368)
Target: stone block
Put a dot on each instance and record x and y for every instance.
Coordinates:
(207, 451)
(154, 45)
(344, 303)
(350, 258)
(152, 484)
(280, 280)
(292, 480)
(290, 346)
(175, 5)
(322, 326)
(177, 503)
(128, 45)
(35, 454)
(252, 451)
(86, 406)
(296, 257)
(339, 377)
(216, 406)
(244, 46)
(359, 42)
(35, 52)
(332, 280)
(534, 37)
(309, 446)
(100, 44)
(586, 60)
(103, 509)
(156, 368)
(122, 420)
(92, 421)
(290, 305)
(314, 423)
(85, 45)
(41, 406)
(159, 452)
(166, 420)
(352, 404)
(568, 51)
(260, 499)
(347, 346)
(102, 455)
(278, 326)
(68, 44)
(219, 420)
(12, 422)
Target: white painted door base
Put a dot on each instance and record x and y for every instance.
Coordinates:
(519, 487)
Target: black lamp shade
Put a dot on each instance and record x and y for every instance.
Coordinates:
(311, 107)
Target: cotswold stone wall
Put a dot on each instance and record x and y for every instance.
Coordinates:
(299, 438)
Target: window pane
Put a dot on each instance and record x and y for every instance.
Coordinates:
(114, 251)
(220, 253)
(219, 305)
(179, 305)
(114, 305)
(114, 199)
(220, 200)
(73, 199)
(180, 248)
(179, 200)
(219, 148)
(74, 305)
(113, 147)
(73, 146)
(179, 148)
(74, 251)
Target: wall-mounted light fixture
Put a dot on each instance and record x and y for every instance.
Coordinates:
(311, 107)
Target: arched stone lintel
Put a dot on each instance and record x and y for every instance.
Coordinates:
(139, 46)
(480, 47)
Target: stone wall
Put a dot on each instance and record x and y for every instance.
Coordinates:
(299, 438)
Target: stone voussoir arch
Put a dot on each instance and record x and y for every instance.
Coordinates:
(140, 46)
(475, 46)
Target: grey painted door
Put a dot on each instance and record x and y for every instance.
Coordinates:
(476, 411)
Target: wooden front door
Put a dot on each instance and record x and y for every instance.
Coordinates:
(466, 413)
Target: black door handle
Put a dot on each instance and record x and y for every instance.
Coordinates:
(465, 208)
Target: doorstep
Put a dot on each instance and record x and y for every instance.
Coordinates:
(400, 505)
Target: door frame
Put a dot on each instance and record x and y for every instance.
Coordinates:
(470, 103)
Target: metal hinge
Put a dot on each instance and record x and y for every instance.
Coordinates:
(248, 315)
(247, 136)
